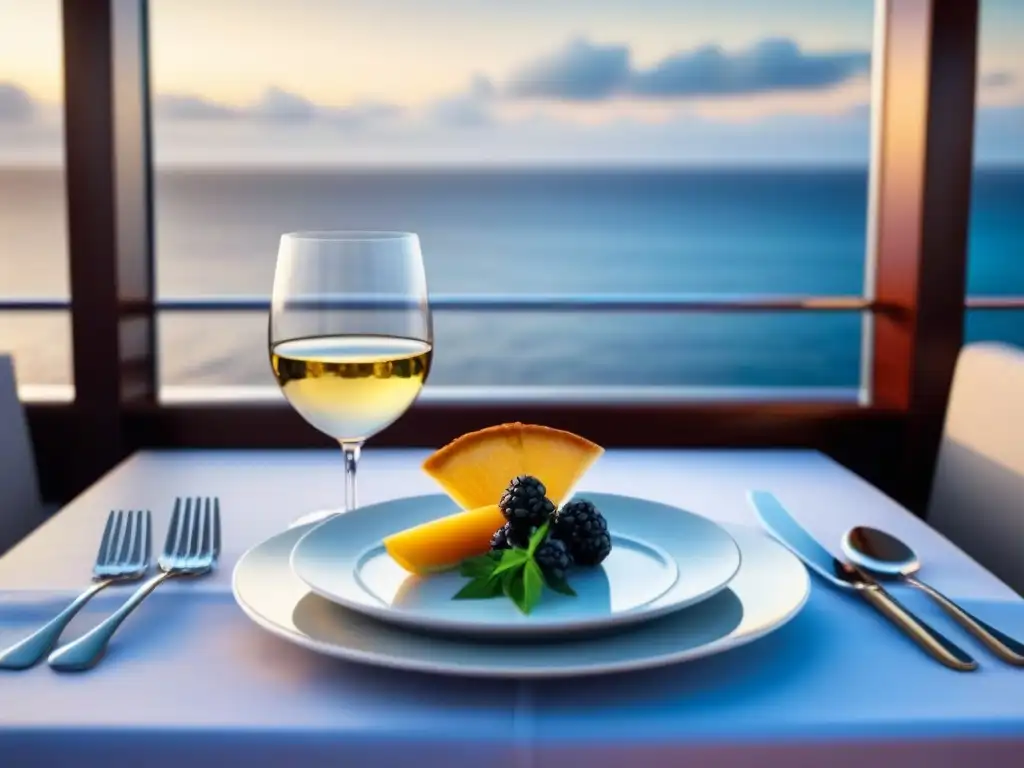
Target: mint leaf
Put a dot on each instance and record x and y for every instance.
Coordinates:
(538, 537)
(506, 582)
(515, 553)
(481, 588)
(516, 592)
(512, 572)
(513, 559)
(473, 567)
(533, 585)
(560, 585)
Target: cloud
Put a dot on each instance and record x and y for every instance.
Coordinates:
(583, 71)
(275, 106)
(358, 116)
(185, 107)
(997, 79)
(280, 106)
(776, 64)
(531, 138)
(469, 109)
(16, 106)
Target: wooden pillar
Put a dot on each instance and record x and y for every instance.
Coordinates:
(923, 149)
(106, 114)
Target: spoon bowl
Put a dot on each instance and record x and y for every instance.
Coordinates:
(885, 556)
(879, 552)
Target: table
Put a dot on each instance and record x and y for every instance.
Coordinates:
(190, 681)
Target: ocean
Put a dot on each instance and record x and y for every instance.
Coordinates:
(521, 231)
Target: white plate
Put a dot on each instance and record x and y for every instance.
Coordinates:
(662, 559)
(770, 588)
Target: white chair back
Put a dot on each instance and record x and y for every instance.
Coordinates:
(977, 496)
(21, 508)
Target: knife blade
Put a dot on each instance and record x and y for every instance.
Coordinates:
(787, 530)
(794, 537)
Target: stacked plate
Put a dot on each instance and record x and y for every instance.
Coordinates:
(676, 586)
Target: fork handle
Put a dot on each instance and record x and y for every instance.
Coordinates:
(86, 651)
(30, 651)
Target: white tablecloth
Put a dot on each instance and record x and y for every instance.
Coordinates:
(189, 681)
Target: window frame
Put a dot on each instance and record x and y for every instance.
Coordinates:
(913, 307)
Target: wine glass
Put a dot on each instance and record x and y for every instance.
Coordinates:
(351, 336)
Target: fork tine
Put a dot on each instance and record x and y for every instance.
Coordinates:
(186, 531)
(205, 544)
(216, 528)
(171, 545)
(115, 538)
(193, 539)
(193, 519)
(148, 533)
(101, 555)
(186, 512)
(207, 547)
(124, 550)
(135, 556)
(186, 534)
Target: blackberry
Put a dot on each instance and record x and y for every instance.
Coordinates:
(509, 536)
(524, 503)
(553, 558)
(584, 530)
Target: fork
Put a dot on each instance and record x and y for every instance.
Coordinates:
(123, 556)
(191, 549)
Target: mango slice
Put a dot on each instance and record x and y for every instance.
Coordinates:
(441, 544)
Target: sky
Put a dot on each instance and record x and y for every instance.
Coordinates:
(400, 82)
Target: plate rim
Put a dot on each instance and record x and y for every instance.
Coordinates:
(492, 671)
(622, 620)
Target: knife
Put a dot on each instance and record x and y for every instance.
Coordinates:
(794, 537)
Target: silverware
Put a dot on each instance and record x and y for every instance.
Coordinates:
(123, 556)
(887, 557)
(792, 535)
(191, 549)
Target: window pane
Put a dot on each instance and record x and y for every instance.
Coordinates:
(1005, 325)
(754, 355)
(41, 345)
(33, 221)
(577, 147)
(997, 208)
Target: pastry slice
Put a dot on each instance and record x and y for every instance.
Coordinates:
(476, 468)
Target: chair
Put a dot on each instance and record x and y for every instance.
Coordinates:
(21, 508)
(977, 496)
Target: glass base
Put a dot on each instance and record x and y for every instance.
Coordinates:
(314, 517)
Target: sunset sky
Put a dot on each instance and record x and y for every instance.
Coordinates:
(442, 81)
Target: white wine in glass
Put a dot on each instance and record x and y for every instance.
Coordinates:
(350, 334)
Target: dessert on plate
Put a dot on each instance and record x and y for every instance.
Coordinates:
(512, 482)
(475, 469)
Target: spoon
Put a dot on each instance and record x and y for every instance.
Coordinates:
(888, 557)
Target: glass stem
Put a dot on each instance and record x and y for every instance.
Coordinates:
(351, 452)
